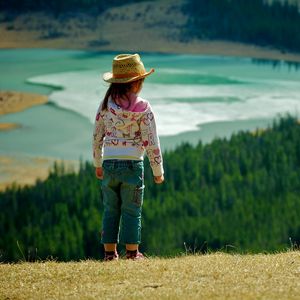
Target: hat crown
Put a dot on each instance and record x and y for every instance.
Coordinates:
(126, 68)
(127, 65)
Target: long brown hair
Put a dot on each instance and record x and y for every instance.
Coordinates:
(119, 90)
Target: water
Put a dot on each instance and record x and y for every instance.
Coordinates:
(194, 97)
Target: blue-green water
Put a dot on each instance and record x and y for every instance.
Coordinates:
(194, 97)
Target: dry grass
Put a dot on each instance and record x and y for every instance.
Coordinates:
(212, 276)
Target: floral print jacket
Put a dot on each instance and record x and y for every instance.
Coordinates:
(127, 134)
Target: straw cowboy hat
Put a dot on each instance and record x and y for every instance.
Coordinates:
(126, 68)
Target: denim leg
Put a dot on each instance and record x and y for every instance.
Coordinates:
(132, 193)
(112, 212)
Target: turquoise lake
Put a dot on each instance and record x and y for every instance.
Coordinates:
(194, 97)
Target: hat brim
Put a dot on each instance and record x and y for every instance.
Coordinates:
(108, 77)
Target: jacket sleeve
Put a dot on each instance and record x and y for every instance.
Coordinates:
(98, 136)
(151, 142)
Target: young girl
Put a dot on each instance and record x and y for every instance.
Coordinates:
(124, 129)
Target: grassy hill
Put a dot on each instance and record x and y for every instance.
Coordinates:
(211, 276)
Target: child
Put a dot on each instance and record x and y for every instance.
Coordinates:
(124, 129)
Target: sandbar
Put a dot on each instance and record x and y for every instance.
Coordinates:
(12, 101)
(8, 126)
(24, 170)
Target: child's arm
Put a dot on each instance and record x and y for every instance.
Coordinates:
(152, 145)
(98, 135)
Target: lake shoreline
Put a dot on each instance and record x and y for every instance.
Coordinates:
(13, 101)
(25, 170)
(20, 170)
(42, 127)
(196, 47)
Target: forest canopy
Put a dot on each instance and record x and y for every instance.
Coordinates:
(59, 6)
(274, 24)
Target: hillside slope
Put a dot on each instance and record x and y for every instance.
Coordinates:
(212, 276)
(241, 193)
(149, 26)
(294, 2)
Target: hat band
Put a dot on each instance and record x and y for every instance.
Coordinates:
(128, 75)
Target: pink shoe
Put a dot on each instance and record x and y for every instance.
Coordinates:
(134, 255)
(111, 255)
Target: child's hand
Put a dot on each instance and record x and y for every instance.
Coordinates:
(159, 179)
(99, 173)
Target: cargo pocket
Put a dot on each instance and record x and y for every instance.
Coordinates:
(138, 195)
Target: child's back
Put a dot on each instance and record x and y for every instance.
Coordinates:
(128, 132)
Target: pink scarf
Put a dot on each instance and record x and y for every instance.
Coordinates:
(137, 104)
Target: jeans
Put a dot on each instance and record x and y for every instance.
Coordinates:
(123, 192)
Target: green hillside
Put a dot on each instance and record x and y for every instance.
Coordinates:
(240, 195)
